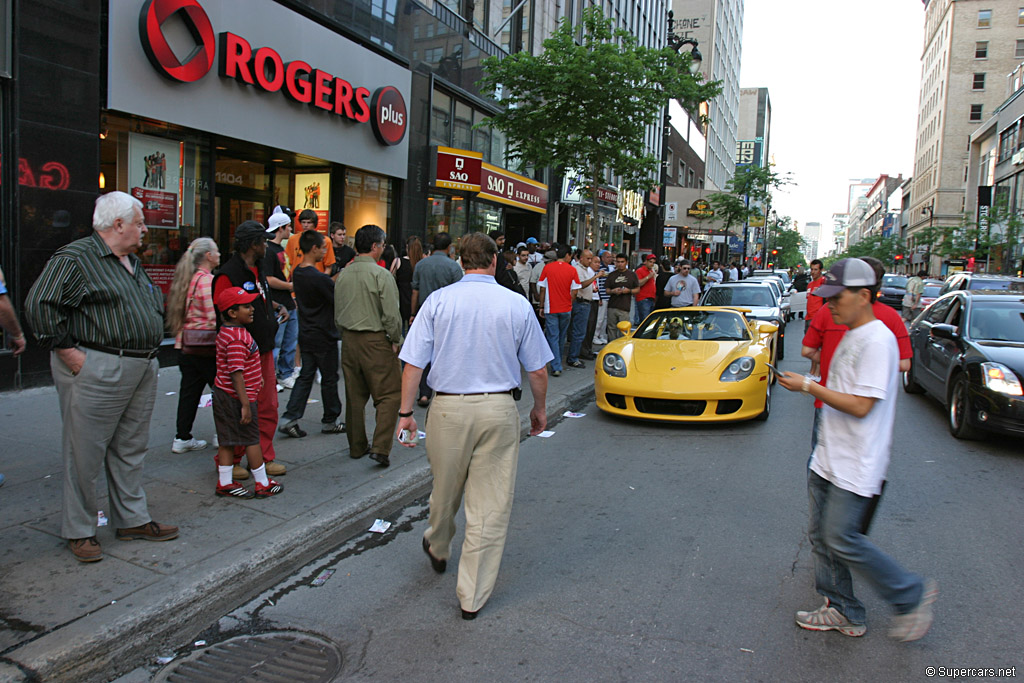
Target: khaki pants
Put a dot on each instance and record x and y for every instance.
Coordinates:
(371, 368)
(473, 447)
(106, 410)
(615, 316)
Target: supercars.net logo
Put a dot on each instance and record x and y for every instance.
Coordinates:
(199, 61)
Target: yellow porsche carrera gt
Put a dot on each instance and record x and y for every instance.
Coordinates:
(694, 364)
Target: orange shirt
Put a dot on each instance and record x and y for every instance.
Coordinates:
(294, 254)
(813, 302)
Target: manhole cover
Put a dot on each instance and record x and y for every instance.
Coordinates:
(286, 656)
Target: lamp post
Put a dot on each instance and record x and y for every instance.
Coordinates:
(676, 43)
(930, 210)
(774, 216)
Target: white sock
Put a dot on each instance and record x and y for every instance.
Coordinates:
(260, 474)
(224, 474)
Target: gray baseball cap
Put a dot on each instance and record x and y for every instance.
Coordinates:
(849, 272)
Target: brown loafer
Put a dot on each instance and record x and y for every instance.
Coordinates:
(150, 531)
(275, 469)
(86, 549)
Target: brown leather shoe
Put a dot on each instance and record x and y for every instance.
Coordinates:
(239, 473)
(275, 469)
(86, 549)
(150, 531)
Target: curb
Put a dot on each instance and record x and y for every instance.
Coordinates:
(171, 609)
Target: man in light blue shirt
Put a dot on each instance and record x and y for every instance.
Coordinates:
(683, 287)
(475, 334)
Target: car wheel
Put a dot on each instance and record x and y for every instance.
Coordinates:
(959, 405)
(910, 385)
(767, 402)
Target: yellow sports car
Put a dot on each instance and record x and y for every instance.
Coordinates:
(694, 364)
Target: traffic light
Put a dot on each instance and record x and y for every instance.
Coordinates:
(898, 257)
(775, 252)
(707, 250)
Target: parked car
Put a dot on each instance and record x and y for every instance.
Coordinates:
(966, 280)
(691, 364)
(760, 298)
(931, 292)
(892, 290)
(969, 354)
(781, 274)
(780, 291)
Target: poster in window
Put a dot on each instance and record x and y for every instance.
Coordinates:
(313, 191)
(154, 178)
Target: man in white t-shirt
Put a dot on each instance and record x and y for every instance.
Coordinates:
(714, 276)
(848, 465)
(683, 287)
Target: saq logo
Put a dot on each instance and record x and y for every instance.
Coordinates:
(265, 69)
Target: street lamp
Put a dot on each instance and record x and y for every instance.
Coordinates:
(774, 216)
(676, 42)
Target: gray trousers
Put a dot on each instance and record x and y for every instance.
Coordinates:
(106, 410)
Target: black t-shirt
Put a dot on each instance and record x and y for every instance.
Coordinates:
(314, 294)
(273, 266)
(617, 278)
(342, 257)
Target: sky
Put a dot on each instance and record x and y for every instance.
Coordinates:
(843, 79)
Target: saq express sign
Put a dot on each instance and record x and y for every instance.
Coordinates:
(263, 68)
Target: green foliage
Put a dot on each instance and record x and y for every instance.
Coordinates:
(748, 181)
(587, 105)
(787, 241)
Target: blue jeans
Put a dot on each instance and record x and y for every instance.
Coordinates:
(644, 307)
(580, 317)
(284, 344)
(836, 517)
(556, 326)
(326, 362)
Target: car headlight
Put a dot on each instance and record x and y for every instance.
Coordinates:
(738, 369)
(614, 365)
(998, 377)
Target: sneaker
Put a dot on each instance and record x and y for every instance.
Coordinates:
(556, 373)
(915, 623)
(275, 469)
(234, 489)
(279, 388)
(239, 472)
(338, 428)
(827, 618)
(186, 445)
(293, 430)
(150, 531)
(86, 549)
(576, 364)
(287, 382)
(271, 489)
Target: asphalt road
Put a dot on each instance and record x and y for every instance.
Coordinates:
(655, 552)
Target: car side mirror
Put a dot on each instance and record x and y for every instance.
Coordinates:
(787, 293)
(767, 328)
(623, 326)
(945, 331)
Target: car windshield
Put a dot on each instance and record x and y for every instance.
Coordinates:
(693, 325)
(997, 321)
(739, 296)
(1003, 285)
(894, 281)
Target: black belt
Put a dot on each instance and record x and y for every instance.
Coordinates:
(127, 353)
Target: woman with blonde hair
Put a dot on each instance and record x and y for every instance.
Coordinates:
(193, 322)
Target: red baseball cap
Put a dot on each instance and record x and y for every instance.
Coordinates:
(234, 296)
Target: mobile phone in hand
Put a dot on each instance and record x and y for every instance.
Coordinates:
(774, 369)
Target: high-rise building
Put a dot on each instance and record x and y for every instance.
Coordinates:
(754, 127)
(969, 46)
(718, 27)
(812, 239)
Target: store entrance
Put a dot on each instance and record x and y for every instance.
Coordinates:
(231, 209)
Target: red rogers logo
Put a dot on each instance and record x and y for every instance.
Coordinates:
(200, 61)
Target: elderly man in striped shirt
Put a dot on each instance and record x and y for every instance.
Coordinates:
(99, 313)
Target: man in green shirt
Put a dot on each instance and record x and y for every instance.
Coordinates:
(97, 310)
(367, 315)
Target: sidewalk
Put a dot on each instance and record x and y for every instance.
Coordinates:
(66, 620)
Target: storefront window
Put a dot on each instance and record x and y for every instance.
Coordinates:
(463, 138)
(486, 217)
(446, 212)
(367, 201)
(440, 119)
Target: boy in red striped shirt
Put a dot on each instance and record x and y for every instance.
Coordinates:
(239, 376)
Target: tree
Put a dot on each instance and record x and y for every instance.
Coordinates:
(586, 106)
(786, 242)
(748, 187)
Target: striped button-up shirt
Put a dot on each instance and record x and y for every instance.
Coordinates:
(84, 294)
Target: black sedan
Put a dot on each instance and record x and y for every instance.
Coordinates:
(892, 290)
(969, 354)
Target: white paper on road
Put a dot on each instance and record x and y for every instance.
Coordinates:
(569, 413)
(171, 393)
(322, 578)
(380, 526)
(313, 400)
(546, 434)
(206, 400)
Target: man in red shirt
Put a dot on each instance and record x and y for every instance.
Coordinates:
(556, 284)
(645, 298)
(814, 302)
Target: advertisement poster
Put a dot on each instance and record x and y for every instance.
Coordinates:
(668, 239)
(161, 275)
(313, 191)
(154, 178)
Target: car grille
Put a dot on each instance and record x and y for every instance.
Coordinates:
(728, 406)
(662, 406)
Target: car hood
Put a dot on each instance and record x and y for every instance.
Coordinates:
(763, 312)
(657, 356)
(1010, 354)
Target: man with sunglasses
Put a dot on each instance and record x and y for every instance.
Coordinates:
(849, 462)
(683, 287)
